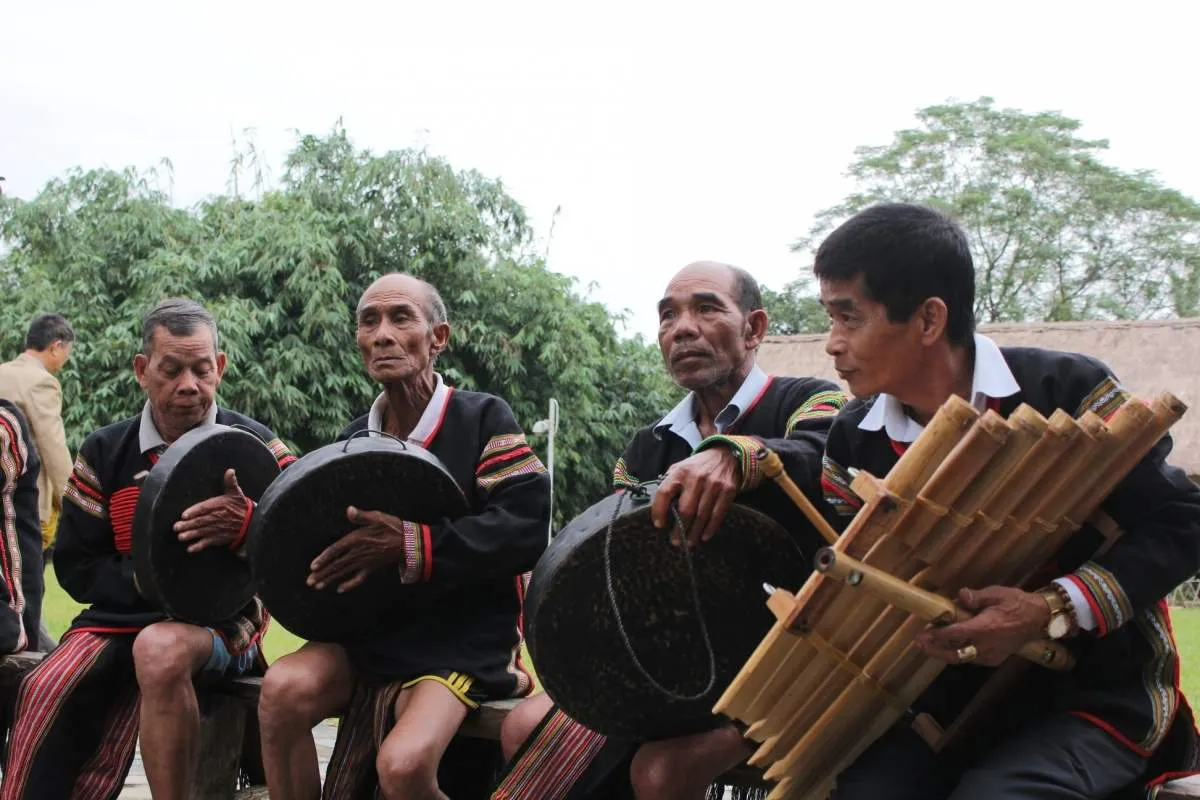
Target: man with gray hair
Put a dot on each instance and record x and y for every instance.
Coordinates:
(404, 693)
(123, 664)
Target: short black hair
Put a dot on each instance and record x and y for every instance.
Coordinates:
(906, 254)
(181, 317)
(746, 290)
(48, 329)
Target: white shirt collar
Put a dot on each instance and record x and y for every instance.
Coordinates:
(992, 379)
(681, 420)
(150, 439)
(427, 425)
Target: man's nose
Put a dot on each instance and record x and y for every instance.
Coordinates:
(384, 334)
(684, 327)
(188, 384)
(835, 345)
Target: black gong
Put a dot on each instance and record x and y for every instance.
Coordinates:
(585, 662)
(304, 512)
(214, 584)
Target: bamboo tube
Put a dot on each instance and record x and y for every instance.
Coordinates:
(1136, 428)
(1009, 544)
(926, 605)
(953, 534)
(772, 467)
(927, 453)
(964, 463)
(1166, 410)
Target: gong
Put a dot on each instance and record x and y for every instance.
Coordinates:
(635, 642)
(212, 585)
(304, 512)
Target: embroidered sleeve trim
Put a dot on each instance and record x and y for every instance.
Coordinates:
(15, 451)
(1105, 399)
(83, 489)
(749, 453)
(622, 477)
(86, 475)
(501, 444)
(505, 456)
(526, 465)
(835, 486)
(1104, 594)
(417, 565)
(818, 406)
(283, 456)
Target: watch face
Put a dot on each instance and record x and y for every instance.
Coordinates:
(1058, 627)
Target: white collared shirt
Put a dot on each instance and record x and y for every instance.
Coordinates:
(992, 379)
(430, 419)
(150, 439)
(681, 420)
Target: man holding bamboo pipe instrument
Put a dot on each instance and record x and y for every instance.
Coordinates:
(898, 283)
(711, 448)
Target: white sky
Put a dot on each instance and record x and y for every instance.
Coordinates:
(667, 132)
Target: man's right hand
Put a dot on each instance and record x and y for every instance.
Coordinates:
(706, 484)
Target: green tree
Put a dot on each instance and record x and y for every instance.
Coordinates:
(283, 272)
(794, 310)
(1056, 233)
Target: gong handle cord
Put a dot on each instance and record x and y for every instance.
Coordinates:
(612, 599)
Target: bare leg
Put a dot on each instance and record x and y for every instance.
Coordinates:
(683, 768)
(427, 717)
(521, 721)
(165, 657)
(299, 691)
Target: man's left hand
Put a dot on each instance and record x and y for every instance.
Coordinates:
(215, 522)
(378, 542)
(1007, 619)
(706, 485)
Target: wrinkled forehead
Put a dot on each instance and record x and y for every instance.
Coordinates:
(699, 283)
(186, 348)
(385, 295)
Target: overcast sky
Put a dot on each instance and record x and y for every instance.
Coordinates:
(666, 132)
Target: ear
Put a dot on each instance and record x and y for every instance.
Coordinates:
(932, 316)
(221, 362)
(756, 328)
(140, 363)
(441, 338)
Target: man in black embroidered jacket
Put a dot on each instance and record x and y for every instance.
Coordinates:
(21, 583)
(404, 694)
(898, 284)
(123, 665)
(711, 324)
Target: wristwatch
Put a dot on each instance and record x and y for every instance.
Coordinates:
(1062, 612)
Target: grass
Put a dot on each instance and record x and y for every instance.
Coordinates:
(58, 609)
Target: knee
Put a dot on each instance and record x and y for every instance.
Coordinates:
(520, 722)
(163, 656)
(407, 770)
(291, 693)
(655, 773)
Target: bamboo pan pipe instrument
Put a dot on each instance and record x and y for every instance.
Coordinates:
(976, 500)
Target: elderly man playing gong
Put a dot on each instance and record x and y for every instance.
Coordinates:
(711, 323)
(123, 665)
(403, 694)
